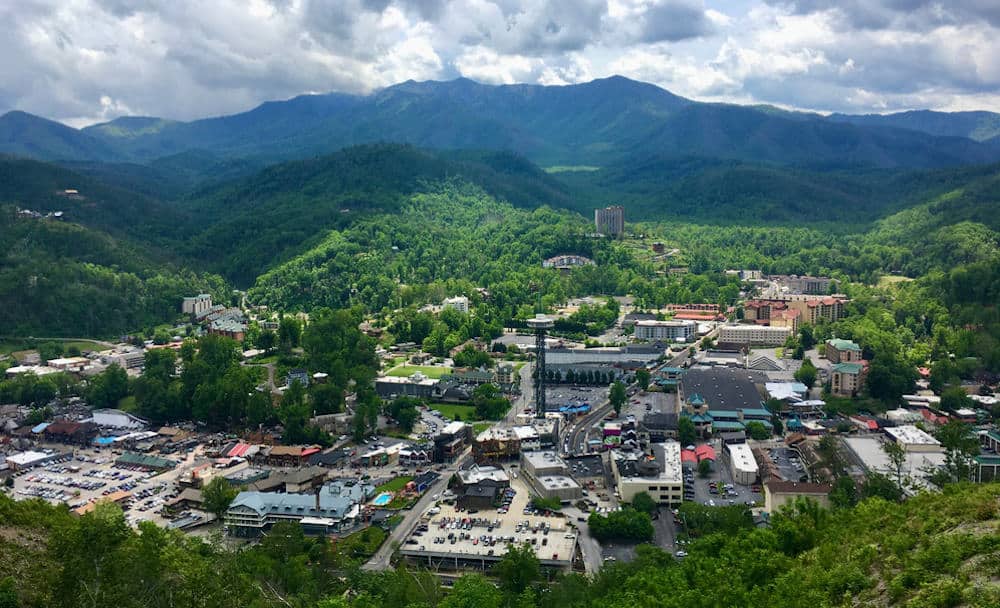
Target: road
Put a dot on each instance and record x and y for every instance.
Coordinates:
(382, 558)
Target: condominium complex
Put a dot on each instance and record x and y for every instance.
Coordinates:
(754, 335)
(666, 330)
(610, 221)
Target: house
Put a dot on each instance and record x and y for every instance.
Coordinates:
(847, 379)
(459, 303)
(842, 351)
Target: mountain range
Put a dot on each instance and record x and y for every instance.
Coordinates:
(603, 122)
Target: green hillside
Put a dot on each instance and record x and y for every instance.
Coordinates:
(935, 550)
(255, 223)
(62, 279)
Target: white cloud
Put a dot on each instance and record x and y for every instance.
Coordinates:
(90, 60)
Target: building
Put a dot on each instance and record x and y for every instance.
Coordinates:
(499, 444)
(125, 359)
(847, 379)
(549, 476)
(297, 375)
(610, 221)
(633, 355)
(416, 385)
(754, 335)
(459, 303)
(71, 433)
(658, 427)
(794, 284)
(197, 306)
(659, 474)
(117, 419)
(842, 351)
(917, 467)
(829, 308)
(480, 487)
(742, 463)
(779, 493)
(913, 439)
(451, 441)
(673, 331)
(30, 459)
(69, 364)
(251, 514)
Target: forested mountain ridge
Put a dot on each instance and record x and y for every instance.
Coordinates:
(253, 224)
(598, 122)
(934, 550)
(976, 125)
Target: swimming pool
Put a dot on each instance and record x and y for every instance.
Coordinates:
(382, 499)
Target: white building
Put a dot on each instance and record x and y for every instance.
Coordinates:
(666, 330)
(125, 359)
(754, 335)
(913, 439)
(549, 476)
(117, 419)
(658, 475)
(742, 463)
(459, 303)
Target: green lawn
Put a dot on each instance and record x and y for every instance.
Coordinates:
(479, 427)
(127, 404)
(10, 346)
(431, 371)
(465, 413)
(395, 485)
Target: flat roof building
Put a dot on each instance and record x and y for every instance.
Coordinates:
(754, 335)
(674, 331)
(742, 463)
(913, 439)
(659, 474)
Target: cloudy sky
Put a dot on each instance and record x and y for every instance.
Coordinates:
(82, 61)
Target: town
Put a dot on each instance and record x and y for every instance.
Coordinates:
(453, 451)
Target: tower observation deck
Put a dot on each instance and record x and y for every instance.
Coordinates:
(540, 325)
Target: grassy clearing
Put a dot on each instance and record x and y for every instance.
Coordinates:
(395, 485)
(479, 427)
(465, 413)
(13, 346)
(571, 168)
(890, 280)
(431, 371)
(362, 545)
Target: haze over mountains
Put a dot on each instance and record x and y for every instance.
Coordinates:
(602, 122)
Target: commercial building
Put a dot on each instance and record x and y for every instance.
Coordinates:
(451, 441)
(337, 504)
(842, 351)
(196, 306)
(633, 355)
(480, 487)
(498, 444)
(658, 427)
(779, 493)
(674, 331)
(659, 474)
(69, 364)
(917, 466)
(610, 221)
(754, 335)
(741, 463)
(31, 459)
(125, 359)
(416, 385)
(549, 476)
(847, 379)
(459, 303)
(117, 419)
(912, 439)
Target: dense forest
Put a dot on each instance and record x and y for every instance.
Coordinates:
(934, 550)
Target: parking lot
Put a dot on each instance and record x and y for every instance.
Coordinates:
(448, 529)
(788, 463)
(89, 475)
(726, 492)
